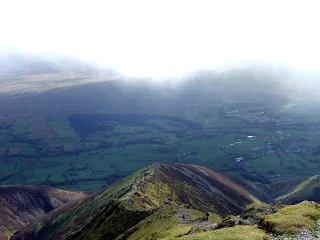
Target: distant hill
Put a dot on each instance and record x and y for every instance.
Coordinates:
(17, 62)
(308, 189)
(21, 205)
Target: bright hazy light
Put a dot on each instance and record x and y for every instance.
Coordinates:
(162, 38)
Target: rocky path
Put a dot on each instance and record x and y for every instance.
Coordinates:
(304, 234)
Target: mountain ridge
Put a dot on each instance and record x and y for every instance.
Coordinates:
(176, 200)
(22, 205)
(139, 196)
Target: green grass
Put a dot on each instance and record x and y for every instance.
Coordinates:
(19, 129)
(264, 164)
(214, 218)
(255, 205)
(9, 233)
(71, 148)
(290, 219)
(232, 233)
(159, 225)
(295, 175)
(28, 150)
(6, 138)
(302, 191)
(62, 128)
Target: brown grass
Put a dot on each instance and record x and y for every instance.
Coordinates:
(225, 180)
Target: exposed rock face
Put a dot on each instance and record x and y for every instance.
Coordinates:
(121, 206)
(304, 234)
(21, 205)
(251, 215)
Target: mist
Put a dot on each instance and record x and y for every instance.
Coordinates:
(160, 44)
(162, 39)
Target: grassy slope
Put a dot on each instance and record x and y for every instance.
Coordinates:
(233, 233)
(161, 224)
(111, 212)
(159, 202)
(165, 187)
(71, 218)
(290, 219)
(303, 191)
(165, 226)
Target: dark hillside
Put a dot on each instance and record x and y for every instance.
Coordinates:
(21, 205)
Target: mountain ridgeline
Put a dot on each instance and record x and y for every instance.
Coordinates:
(21, 205)
(115, 210)
(178, 201)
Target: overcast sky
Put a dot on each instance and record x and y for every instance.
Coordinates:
(161, 38)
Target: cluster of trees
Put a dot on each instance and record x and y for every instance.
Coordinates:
(87, 123)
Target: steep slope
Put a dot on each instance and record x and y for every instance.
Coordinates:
(180, 193)
(309, 189)
(21, 205)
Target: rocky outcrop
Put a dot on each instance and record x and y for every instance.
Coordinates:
(304, 234)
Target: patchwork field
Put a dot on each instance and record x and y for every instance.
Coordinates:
(70, 132)
(89, 151)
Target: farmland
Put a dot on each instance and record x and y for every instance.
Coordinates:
(89, 151)
(86, 136)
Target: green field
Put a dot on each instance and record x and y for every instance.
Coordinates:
(87, 152)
